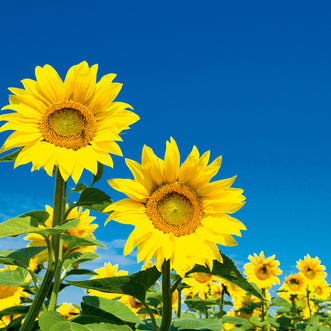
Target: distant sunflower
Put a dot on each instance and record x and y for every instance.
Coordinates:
(72, 124)
(10, 295)
(311, 270)
(202, 284)
(263, 272)
(83, 229)
(177, 213)
(68, 310)
(107, 271)
(321, 290)
(294, 284)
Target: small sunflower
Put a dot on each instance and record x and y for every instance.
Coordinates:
(311, 270)
(83, 229)
(263, 272)
(178, 214)
(132, 303)
(321, 290)
(72, 124)
(68, 310)
(107, 271)
(10, 295)
(202, 284)
(294, 284)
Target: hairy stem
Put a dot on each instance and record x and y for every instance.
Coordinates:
(166, 297)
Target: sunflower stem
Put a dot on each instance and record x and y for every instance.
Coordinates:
(221, 304)
(150, 314)
(166, 297)
(294, 311)
(179, 306)
(59, 209)
(308, 303)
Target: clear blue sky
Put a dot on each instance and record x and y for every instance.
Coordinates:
(247, 80)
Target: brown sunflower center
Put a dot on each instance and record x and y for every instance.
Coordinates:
(7, 291)
(68, 124)
(262, 272)
(202, 277)
(134, 303)
(294, 284)
(175, 208)
(310, 273)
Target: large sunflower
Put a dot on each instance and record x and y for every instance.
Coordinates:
(261, 271)
(72, 124)
(311, 270)
(177, 213)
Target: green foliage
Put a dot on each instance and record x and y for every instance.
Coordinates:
(196, 324)
(136, 284)
(80, 272)
(10, 157)
(48, 319)
(15, 310)
(94, 199)
(76, 258)
(13, 277)
(228, 271)
(74, 242)
(98, 176)
(20, 257)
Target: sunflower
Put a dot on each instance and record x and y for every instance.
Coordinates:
(72, 124)
(107, 271)
(132, 303)
(263, 272)
(294, 284)
(68, 310)
(83, 229)
(311, 270)
(10, 295)
(202, 284)
(177, 213)
(321, 290)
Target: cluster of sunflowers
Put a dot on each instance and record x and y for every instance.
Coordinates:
(179, 215)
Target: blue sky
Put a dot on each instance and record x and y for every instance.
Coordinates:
(249, 81)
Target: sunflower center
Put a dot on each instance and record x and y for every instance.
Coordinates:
(175, 208)
(7, 291)
(68, 124)
(294, 284)
(202, 277)
(310, 273)
(262, 272)
(134, 303)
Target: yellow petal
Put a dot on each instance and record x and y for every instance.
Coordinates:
(134, 190)
(171, 161)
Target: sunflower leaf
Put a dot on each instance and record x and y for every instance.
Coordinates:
(50, 318)
(136, 284)
(20, 257)
(13, 277)
(80, 272)
(14, 310)
(77, 258)
(74, 242)
(23, 224)
(98, 176)
(196, 324)
(93, 198)
(228, 271)
(10, 157)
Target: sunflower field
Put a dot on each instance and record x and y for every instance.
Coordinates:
(181, 219)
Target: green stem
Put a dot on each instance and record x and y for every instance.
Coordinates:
(58, 212)
(294, 311)
(221, 305)
(176, 283)
(179, 307)
(308, 302)
(150, 314)
(166, 297)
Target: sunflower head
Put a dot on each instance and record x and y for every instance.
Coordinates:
(311, 270)
(72, 124)
(177, 212)
(68, 310)
(107, 271)
(263, 272)
(294, 285)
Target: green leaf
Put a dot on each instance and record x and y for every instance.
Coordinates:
(20, 257)
(63, 227)
(11, 156)
(91, 314)
(98, 176)
(23, 224)
(69, 326)
(107, 327)
(136, 284)
(80, 188)
(236, 320)
(113, 307)
(228, 271)
(13, 277)
(93, 198)
(77, 258)
(80, 272)
(196, 324)
(48, 319)
(280, 302)
(74, 242)
(15, 310)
